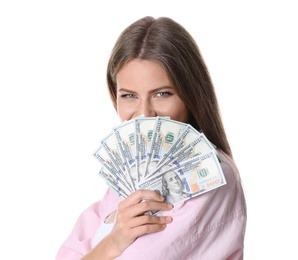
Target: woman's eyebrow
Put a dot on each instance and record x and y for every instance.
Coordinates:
(152, 90)
(126, 90)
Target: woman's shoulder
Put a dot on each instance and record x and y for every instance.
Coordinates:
(229, 168)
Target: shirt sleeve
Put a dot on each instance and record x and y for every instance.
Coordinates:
(78, 243)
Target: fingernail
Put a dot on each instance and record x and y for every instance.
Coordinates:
(169, 219)
(170, 206)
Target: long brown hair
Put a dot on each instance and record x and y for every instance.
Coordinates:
(165, 41)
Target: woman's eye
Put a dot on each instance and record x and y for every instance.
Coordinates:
(163, 94)
(128, 96)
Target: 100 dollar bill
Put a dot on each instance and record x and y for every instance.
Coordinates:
(125, 138)
(197, 144)
(165, 134)
(189, 179)
(144, 128)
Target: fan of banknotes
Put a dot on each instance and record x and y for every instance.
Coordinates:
(160, 154)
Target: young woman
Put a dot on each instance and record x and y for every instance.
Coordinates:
(156, 69)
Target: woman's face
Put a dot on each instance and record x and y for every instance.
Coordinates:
(143, 88)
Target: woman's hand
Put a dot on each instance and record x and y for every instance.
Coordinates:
(131, 220)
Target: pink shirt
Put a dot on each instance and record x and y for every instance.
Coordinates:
(210, 226)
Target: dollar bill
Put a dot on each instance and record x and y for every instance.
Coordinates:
(125, 136)
(159, 154)
(103, 157)
(188, 136)
(191, 146)
(165, 134)
(111, 172)
(188, 179)
(110, 144)
(144, 128)
(114, 184)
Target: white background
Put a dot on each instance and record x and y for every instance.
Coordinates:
(54, 110)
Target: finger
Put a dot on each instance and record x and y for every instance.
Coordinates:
(146, 229)
(138, 196)
(149, 220)
(147, 206)
(140, 209)
(138, 231)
